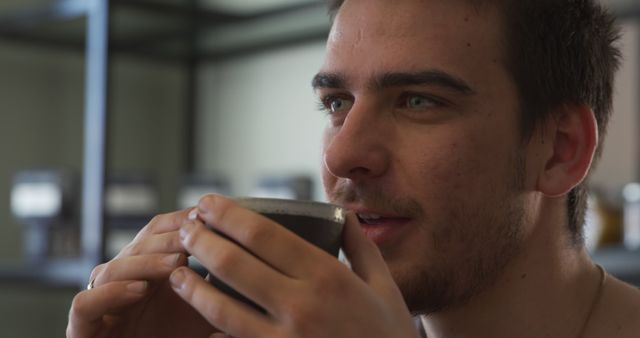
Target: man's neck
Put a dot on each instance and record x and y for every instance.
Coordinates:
(546, 291)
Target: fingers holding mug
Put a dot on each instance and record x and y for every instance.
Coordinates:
(148, 267)
(89, 307)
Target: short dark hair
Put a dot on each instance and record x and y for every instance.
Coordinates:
(558, 52)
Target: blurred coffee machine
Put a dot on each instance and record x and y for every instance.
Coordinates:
(298, 187)
(42, 201)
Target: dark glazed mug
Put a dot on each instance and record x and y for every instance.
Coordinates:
(318, 223)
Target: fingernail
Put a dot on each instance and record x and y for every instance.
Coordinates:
(171, 260)
(177, 279)
(137, 287)
(193, 214)
(186, 229)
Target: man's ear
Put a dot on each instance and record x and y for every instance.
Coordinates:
(575, 138)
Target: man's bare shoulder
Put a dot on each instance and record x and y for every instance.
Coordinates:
(618, 313)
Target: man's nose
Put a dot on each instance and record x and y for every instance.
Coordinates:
(359, 149)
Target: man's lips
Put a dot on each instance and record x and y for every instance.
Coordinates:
(380, 227)
(384, 230)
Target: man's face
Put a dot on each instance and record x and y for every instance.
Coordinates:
(423, 143)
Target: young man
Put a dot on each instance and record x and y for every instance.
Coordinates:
(460, 134)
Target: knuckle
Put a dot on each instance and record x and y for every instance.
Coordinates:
(106, 273)
(158, 220)
(157, 264)
(133, 249)
(178, 217)
(96, 271)
(171, 244)
(252, 235)
(78, 306)
(215, 314)
(206, 201)
(155, 220)
(151, 226)
(145, 231)
(223, 262)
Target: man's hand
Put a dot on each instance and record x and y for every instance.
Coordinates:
(131, 296)
(305, 291)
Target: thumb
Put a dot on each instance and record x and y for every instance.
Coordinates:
(364, 256)
(367, 262)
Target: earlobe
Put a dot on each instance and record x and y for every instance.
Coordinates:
(574, 143)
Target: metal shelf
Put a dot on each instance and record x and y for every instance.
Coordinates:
(166, 30)
(62, 273)
(177, 31)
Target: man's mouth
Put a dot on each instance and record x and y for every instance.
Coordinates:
(381, 229)
(370, 219)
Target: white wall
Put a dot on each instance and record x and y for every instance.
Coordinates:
(259, 116)
(620, 159)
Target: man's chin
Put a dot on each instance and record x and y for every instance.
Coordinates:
(420, 293)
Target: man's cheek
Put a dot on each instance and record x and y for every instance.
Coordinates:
(450, 169)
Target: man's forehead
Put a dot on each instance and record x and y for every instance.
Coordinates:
(411, 35)
(462, 53)
(381, 19)
(375, 20)
(336, 5)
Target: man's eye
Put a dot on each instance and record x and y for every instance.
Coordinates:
(419, 102)
(335, 105)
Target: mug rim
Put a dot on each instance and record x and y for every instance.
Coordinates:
(279, 206)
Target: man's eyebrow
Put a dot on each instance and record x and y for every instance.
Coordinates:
(328, 80)
(428, 77)
(397, 79)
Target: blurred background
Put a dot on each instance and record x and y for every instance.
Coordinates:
(113, 111)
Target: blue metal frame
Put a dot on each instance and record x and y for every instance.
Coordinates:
(96, 85)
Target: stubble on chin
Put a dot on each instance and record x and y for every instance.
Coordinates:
(466, 255)
(469, 253)
(462, 267)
